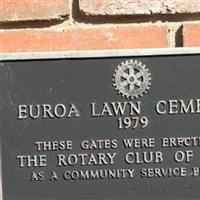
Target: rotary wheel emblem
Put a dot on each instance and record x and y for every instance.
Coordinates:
(132, 79)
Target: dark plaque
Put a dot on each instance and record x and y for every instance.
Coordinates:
(119, 127)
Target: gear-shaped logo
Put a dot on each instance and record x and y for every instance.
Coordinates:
(132, 79)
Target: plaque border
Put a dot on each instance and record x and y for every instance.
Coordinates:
(98, 53)
(92, 54)
(1, 182)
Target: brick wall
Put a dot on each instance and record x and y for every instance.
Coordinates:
(59, 25)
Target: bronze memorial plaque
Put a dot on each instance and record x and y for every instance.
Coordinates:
(123, 127)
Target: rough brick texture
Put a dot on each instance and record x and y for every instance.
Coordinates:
(191, 35)
(83, 39)
(23, 10)
(62, 25)
(138, 7)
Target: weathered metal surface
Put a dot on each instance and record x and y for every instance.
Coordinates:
(76, 146)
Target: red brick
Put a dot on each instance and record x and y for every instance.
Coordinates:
(22, 10)
(138, 7)
(83, 39)
(191, 35)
